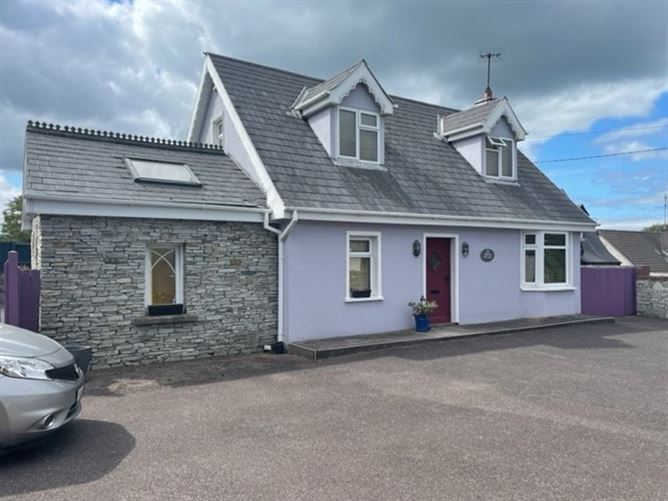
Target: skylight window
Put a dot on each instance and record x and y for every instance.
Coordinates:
(162, 172)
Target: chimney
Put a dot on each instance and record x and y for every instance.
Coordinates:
(486, 96)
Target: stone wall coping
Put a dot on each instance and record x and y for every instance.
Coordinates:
(654, 278)
(165, 319)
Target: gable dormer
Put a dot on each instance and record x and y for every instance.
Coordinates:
(486, 135)
(347, 114)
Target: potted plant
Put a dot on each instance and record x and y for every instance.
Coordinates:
(421, 310)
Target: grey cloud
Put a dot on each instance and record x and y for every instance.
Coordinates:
(136, 68)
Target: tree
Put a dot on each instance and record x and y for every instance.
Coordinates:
(11, 226)
(657, 228)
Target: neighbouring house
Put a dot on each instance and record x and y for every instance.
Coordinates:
(331, 205)
(594, 252)
(638, 248)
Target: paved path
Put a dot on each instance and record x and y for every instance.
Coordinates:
(568, 413)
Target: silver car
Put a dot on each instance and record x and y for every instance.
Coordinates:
(40, 386)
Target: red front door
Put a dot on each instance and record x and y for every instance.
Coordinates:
(438, 277)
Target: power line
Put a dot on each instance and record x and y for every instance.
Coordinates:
(602, 156)
(601, 131)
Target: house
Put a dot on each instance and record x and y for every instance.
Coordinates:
(638, 248)
(123, 227)
(355, 203)
(594, 252)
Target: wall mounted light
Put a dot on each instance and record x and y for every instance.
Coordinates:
(465, 249)
(416, 248)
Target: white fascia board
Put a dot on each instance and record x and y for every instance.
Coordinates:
(339, 215)
(363, 75)
(464, 133)
(202, 99)
(139, 209)
(259, 174)
(504, 109)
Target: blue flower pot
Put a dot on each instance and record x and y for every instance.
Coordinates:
(422, 323)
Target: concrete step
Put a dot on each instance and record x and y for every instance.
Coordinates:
(317, 349)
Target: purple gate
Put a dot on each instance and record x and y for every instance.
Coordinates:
(21, 294)
(609, 291)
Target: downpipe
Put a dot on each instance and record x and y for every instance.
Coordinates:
(282, 235)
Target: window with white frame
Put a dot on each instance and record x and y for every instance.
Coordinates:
(218, 132)
(500, 158)
(153, 171)
(363, 279)
(545, 259)
(164, 275)
(359, 135)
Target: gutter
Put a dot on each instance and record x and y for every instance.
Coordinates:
(142, 203)
(446, 219)
(282, 235)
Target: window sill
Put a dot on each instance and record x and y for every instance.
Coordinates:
(165, 319)
(496, 180)
(363, 299)
(548, 289)
(358, 164)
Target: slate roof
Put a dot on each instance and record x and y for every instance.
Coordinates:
(330, 83)
(424, 175)
(639, 247)
(594, 252)
(86, 166)
(470, 117)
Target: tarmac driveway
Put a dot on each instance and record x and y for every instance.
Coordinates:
(569, 413)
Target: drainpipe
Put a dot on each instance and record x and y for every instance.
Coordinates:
(282, 235)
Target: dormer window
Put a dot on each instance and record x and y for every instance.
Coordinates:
(359, 135)
(500, 158)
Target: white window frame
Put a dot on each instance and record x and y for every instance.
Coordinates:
(539, 248)
(501, 142)
(193, 181)
(358, 126)
(178, 271)
(216, 137)
(374, 253)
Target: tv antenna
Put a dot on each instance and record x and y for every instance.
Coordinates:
(489, 54)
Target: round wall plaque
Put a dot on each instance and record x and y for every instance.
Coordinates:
(487, 255)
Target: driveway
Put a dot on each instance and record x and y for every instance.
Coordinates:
(569, 413)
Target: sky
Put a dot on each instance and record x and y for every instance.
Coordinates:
(585, 78)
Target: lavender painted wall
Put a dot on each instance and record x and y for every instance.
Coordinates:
(322, 124)
(315, 282)
(472, 149)
(231, 139)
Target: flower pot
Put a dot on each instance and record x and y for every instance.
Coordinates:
(422, 323)
(82, 356)
(360, 293)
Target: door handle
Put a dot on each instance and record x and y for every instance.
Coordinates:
(434, 291)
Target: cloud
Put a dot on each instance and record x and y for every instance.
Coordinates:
(633, 224)
(134, 66)
(653, 128)
(622, 146)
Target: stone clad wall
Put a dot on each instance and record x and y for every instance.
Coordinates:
(93, 287)
(652, 297)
